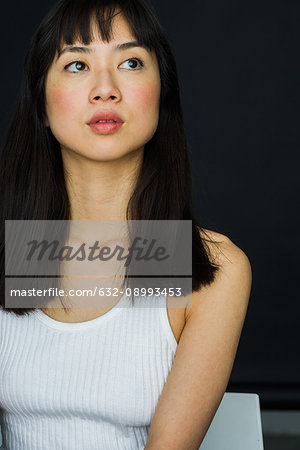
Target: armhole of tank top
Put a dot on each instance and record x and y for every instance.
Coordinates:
(166, 324)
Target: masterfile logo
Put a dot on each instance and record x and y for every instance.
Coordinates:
(45, 255)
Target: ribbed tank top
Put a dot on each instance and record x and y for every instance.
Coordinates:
(91, 385)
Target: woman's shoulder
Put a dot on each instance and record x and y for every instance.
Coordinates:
(221, 248)
(233, 280)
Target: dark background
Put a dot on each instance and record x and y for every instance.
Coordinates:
(237, 63)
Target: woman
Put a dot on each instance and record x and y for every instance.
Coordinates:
(111, 378)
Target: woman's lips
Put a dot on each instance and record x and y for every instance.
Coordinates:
(105, 127)
(105, 122)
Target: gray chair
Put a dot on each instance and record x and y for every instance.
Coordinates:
(236, 425)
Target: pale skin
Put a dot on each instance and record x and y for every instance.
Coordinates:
(101, 173)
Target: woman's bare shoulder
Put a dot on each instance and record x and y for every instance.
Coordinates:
(221, 248)
(233, 280)
(216, 244)
(211, 235)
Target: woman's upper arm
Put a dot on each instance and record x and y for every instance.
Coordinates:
(204, 356)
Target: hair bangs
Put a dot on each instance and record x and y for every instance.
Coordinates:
(80, 21)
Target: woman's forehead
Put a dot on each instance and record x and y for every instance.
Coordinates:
(114, 28)
(120, 33)
(111, 27)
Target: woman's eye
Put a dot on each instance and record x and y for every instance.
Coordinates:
(133, 63)
(77, 66)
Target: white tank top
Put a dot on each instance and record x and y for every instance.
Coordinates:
(91, 385)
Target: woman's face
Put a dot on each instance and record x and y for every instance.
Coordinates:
(102, 78)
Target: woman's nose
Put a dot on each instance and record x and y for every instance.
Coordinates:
(105, 88)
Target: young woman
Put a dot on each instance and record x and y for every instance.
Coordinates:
(114, 378)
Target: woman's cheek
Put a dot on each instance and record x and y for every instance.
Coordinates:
(146, 101)
(61, 101)
(149, 98)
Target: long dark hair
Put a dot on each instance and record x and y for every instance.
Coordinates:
(32, 174)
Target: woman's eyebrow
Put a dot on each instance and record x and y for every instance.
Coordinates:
(118, 47)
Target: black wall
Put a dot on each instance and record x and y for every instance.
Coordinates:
(237, 63)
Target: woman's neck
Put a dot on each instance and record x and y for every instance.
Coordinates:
(100, 190)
